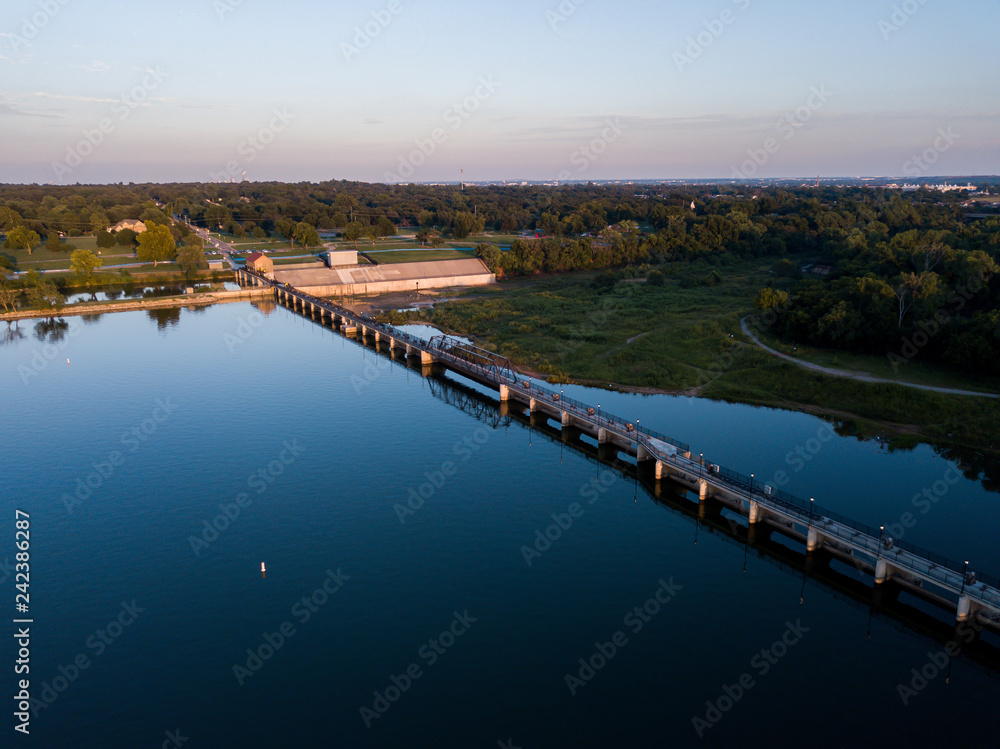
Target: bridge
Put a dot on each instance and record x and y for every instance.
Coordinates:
(942, 581)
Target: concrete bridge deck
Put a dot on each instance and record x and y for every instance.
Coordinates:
(923, 572)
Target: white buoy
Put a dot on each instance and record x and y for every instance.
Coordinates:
(67, 362)
(262, 569)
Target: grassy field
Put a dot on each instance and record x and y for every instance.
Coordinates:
(413, 256)
(685, 337)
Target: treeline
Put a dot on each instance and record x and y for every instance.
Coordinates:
(690, 219)
(923, 299)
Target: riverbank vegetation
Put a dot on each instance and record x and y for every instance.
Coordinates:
(682, 334)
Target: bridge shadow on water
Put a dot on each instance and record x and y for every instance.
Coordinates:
(819, 569)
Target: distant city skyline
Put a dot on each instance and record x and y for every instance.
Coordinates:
(401, 90)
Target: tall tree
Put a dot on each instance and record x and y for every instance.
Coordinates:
(191, 256)
(84, 263)
(306, 235)
(156, 244)
(22, 238)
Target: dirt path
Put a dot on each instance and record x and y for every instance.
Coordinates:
(860, 376)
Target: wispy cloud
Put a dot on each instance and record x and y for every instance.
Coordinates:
(13, 110)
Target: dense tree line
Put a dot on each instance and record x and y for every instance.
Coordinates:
(908, 274)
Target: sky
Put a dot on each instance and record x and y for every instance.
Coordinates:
(420, 90)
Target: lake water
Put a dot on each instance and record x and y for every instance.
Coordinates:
(399, 608)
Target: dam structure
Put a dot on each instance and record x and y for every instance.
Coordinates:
(945, 582)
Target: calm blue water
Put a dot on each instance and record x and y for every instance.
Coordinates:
(322, 442)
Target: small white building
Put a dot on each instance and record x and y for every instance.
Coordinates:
(340, 258)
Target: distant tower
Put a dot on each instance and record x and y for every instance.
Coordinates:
(461, 184)
(817, 180)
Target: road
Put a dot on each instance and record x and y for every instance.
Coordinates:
(861, 377)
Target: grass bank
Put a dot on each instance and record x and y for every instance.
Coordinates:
(684, 336)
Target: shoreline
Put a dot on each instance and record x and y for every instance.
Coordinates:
(131, 305)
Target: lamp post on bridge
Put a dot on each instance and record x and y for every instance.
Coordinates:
(965, 574)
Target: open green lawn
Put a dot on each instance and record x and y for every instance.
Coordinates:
(414, 256)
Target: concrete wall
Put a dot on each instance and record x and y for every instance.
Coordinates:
(381, 287)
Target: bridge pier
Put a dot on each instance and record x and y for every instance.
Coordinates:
(813, 540)
(882, 570)
(756, 514)
(602, 436)
(704, 490)
(504, 393)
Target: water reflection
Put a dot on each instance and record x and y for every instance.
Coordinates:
(51, 330)
(165, 317)
(817, 569)
(12, 334)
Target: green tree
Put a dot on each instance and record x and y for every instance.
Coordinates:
(768, 298)
(22, 238)
(126, 237)
(465, 224)
(353, 232)
(8, 295)
(156, 244)
(306, 235)
(386, 228)
(9, 218)
(84, 263)
(45, 295)
(105, 239)
(191, 256)
(491, 255)
(53, 243)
